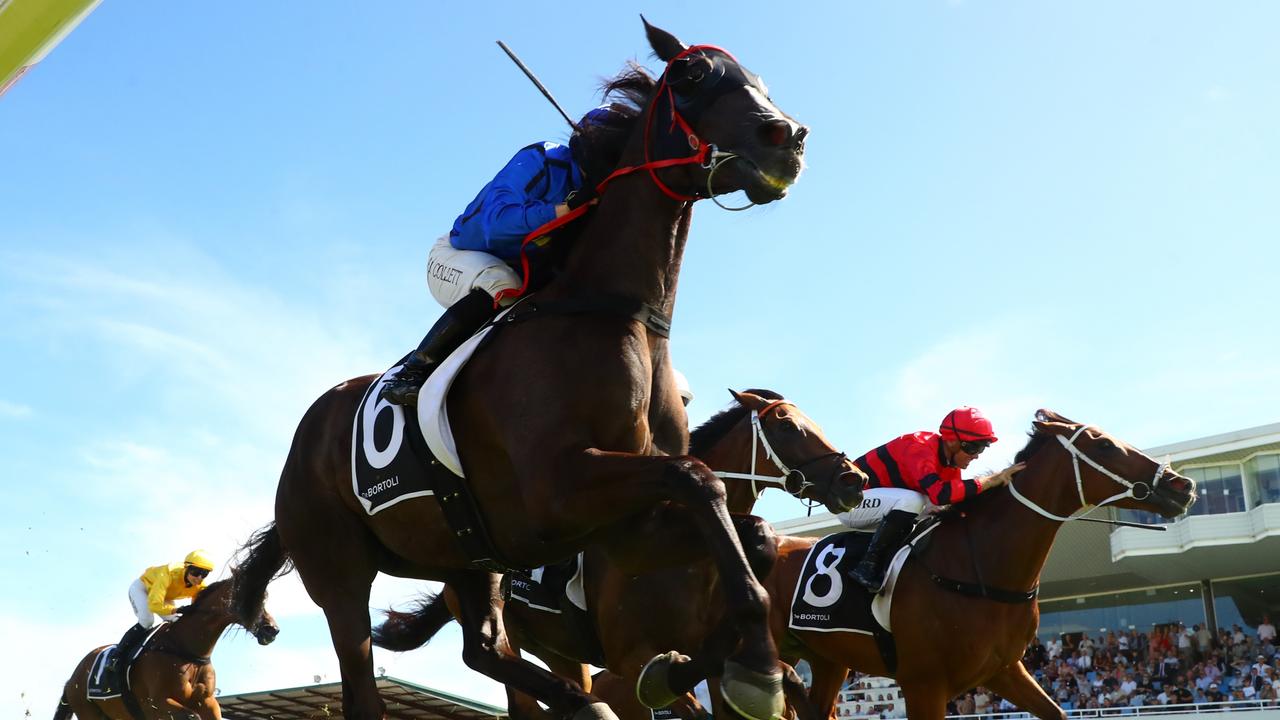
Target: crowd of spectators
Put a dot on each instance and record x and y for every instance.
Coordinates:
(1170, 665)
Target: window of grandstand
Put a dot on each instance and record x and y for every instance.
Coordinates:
(1220, 487)
(1265, 471)
(1247, 599)
(1139, 609)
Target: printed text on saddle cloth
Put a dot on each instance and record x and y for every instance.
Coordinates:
(877, 502)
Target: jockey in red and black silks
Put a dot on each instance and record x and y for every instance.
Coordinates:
(910, 472)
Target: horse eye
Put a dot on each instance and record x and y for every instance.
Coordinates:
(1106, 444)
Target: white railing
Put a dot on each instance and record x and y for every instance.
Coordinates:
(1145, 710)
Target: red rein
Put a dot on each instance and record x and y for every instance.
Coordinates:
(700, 148)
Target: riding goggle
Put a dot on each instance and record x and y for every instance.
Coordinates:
(197, 571)
(974, 447)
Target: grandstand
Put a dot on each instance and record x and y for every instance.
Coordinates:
(1214, 569)
(405, 701)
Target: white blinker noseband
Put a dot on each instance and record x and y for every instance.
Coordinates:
(758, 438)
(1137, 491)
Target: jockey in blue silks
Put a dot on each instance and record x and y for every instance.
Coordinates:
(474, 262)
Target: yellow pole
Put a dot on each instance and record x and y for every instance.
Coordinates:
(29, 29)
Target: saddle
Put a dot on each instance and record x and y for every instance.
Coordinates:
(559, 590)
(827, 600)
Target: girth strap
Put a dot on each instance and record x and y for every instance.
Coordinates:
(1012, 597)
(981, 588)
(657, 322)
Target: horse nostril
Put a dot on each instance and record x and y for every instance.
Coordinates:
(775, 133)
(797, 139)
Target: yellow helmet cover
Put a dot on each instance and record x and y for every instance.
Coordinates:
(199, 559)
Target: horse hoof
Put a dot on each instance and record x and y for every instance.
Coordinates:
(652, 688)
(595, 711)
(756, 696)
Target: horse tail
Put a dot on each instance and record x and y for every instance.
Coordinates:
(261, 560)
(403, 630)
(64, 708)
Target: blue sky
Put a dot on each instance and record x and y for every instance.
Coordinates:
(210, 214)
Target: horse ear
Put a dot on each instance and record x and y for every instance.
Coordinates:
(747, 399)
(1044, 415)
(665, 45)
(1051, 422)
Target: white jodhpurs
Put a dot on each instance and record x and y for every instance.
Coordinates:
(877, 502)
(138, 599)
(452, 273)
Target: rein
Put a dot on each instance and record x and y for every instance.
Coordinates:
(759, 438)
(706, 155)
(1131, 489)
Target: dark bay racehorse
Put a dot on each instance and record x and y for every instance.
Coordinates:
(173, 675)
(948, 642)
(570, 427)
(762, 441)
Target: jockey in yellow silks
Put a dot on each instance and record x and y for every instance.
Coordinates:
(154, 593)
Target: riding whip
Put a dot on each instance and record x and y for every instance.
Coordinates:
(529, 73)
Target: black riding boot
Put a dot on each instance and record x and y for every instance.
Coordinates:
(894, 528)
(128, 643)
(458, 323)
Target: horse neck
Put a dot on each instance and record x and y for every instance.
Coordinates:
(634, 242)
(197, 635)
(1013, 541)
(732, 453)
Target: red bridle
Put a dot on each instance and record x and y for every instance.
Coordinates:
(701, 151)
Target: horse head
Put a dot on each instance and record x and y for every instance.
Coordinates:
(812, 468)
(1109, 471)
(214, 606)
(706, 97)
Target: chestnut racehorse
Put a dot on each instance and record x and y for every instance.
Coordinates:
(569, 424)
(173, 674)
(762, 441)
(948, 642)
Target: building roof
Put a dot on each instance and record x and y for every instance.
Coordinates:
(1214, 444)
(404, 700)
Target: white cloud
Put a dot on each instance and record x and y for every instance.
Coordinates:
(14, 410)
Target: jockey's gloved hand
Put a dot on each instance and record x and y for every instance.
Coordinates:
(1003, 477)
(582, 196)
(169, 618)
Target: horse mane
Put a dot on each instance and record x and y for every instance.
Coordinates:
(717, 426)
(1036, 439)
(601, 144)
(202, 599)
(1037, 436)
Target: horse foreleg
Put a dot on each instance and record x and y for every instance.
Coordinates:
(485, 649)
(605, 488)
(523, 707)
(797, 696)
(1018, 686)
(925, 701)
(828, 678)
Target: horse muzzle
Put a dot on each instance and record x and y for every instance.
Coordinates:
(1174, 494)
(266, 634)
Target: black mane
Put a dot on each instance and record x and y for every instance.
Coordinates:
(1036, 440)
(203, 598)
(714, 429)
(599, 145)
